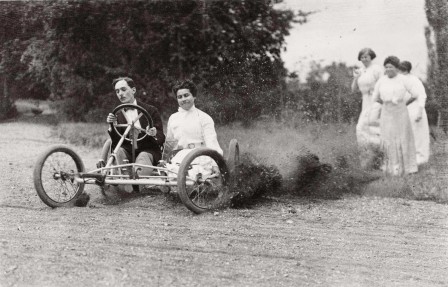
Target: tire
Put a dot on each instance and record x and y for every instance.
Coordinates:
(233, 157)
(48, 187)
(204, 196)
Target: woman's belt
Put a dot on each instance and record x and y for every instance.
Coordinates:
(191, 145)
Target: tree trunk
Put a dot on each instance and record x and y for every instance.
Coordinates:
(6, 105)
(437, 15)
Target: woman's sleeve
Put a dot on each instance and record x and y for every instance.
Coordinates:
(169, 130)
(376, 92)
(170, 141)
(210, 137)
(354, 85)
(377, 72)
(413, 88)
(421, 99)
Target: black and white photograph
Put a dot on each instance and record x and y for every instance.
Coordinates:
(224, 143)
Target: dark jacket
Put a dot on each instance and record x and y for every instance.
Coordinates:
(149, 144)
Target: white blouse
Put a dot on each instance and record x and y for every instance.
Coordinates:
(394, 89)
(369, 76)
(192, 127)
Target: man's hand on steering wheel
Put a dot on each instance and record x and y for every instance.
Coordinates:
(111, 119)
(151, 131)
(142, 114)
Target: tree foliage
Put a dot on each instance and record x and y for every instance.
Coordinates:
(326, 96)
(437, 15)
(73, 49)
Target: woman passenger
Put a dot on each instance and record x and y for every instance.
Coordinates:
(189, 127)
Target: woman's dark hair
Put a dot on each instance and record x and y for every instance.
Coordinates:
(368, 51)
(405, 66)
(127, 79)
(394, 61)
(187, 84)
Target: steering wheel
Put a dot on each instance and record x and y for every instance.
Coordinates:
(142, 113)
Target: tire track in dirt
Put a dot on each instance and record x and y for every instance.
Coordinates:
(150, 240)
(315, 250)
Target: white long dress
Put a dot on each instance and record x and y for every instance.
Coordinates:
(367, 129)
(421, 127)
(397, 139)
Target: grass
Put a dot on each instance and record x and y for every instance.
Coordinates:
(282, 145)
(85, 134)
(430, 183)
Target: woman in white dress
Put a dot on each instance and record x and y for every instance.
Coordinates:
(417, 114)
(367, 129)
(397, 139)
(190, 128)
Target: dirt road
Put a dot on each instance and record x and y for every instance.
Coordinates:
(154, 241)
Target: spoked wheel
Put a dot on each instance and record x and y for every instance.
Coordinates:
(54, 176)
(199, 188)
(233, 158)
(142, 114)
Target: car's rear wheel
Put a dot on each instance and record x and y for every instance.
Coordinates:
(200, 189)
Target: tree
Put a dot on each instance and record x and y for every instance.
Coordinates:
(11, 28)
(230, 48)
(437, 15)
(327, 95)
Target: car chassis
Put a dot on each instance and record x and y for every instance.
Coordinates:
(60, 177)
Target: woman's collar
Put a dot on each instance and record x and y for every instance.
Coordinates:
(181, 110)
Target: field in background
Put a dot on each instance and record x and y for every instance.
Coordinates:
(282, 144)
(30, 107)
(358, 240)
